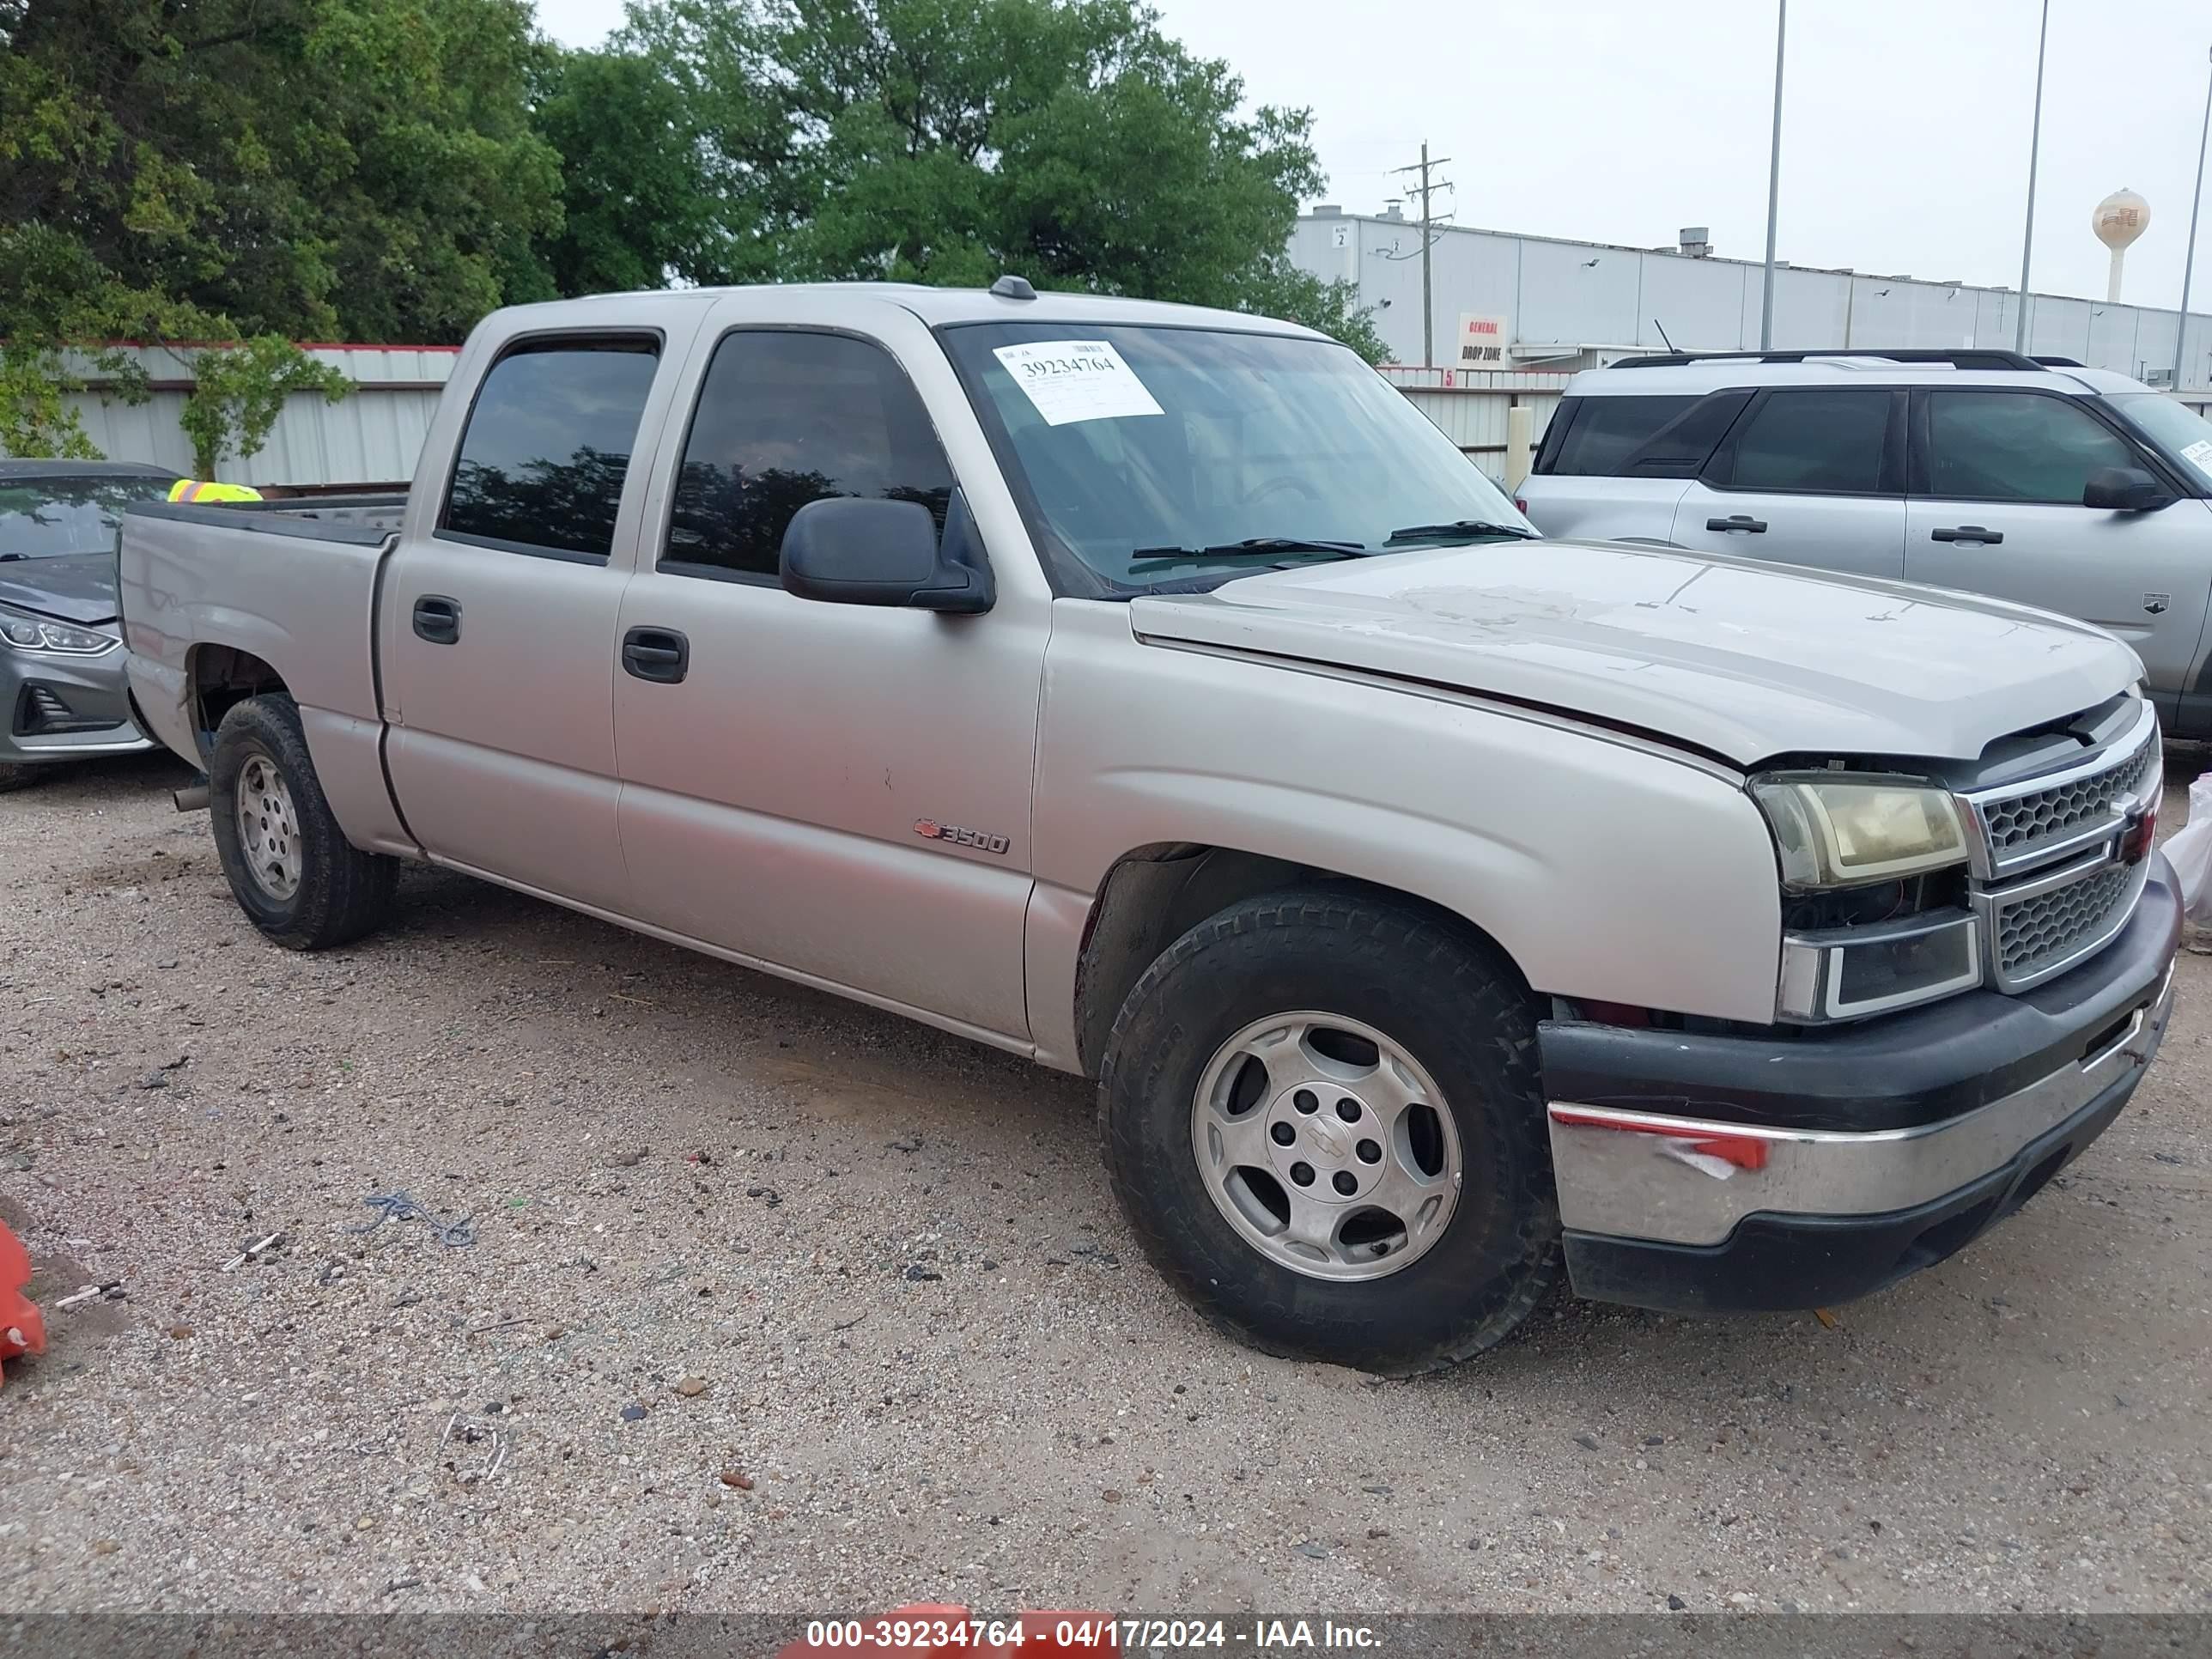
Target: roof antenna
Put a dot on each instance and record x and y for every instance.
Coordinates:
(1661, 327)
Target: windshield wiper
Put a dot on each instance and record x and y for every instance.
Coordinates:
(1422, 532)
(1252, 547)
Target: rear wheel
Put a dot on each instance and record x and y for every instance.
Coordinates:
(1322, 1112)
(290, 866)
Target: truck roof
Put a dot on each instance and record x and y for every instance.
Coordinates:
(933, 306)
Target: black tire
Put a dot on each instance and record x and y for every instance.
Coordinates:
(1457, 1008)
(342, 892)
(13, 777)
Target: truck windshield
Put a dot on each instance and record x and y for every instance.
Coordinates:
(2175, 427)
(44, 518)
(1184, 456)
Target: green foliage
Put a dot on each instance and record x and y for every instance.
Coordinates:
(949, 141)
(34, 421)
(636, 200)
(238, 391)
(307, 168)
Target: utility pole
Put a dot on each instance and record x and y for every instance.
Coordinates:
(1428, 311)
(1773, 183)
(2188, 263)
(2034, 144)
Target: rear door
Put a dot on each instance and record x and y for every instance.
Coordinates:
(497, 627)
(839, 791)
(1998, 477)
(1810, 476)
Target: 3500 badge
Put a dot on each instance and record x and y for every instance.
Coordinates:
(953, 835)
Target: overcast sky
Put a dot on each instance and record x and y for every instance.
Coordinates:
(1904, 135)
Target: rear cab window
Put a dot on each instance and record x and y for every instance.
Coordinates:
(547, 446)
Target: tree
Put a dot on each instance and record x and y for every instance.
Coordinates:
(304, 167)
(635, 197)
(950, 141)
(35, 421)
(238, 391)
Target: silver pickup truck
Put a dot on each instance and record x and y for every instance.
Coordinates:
(1153, 692)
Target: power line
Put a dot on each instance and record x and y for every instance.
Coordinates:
(1425, 190)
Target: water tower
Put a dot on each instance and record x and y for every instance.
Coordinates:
(2118, 219)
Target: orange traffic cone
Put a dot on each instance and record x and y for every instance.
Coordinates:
(22, 1330)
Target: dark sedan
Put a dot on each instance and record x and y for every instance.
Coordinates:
(61, 658)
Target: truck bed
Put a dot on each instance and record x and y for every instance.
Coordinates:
(211, 592)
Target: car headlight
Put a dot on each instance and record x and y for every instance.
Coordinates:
(1830, 832)
(28, 633)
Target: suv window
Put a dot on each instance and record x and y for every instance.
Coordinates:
(1606, 431)
(548, 445)
(785, 418)
(1829, 442)
(2016, 446)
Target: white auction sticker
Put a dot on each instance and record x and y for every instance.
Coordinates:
(2200, 454)
(1070, 380)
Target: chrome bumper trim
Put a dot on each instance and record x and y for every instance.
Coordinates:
(1689, 1180)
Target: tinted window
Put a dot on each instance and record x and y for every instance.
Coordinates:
(548, 445)
(1831, 442)
(1607, 430)
(788, 418)
(41, 518)
(2014, 447)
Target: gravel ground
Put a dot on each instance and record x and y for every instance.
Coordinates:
(778, 1302)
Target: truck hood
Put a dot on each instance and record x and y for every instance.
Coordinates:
(1743, 659)
(72, 587)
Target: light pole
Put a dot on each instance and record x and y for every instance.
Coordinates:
(2188, 263)
(1774, 180)
(2034, 143)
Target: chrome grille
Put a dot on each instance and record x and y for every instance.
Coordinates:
(2044, 932)
(2017, 827)
(2017, 824)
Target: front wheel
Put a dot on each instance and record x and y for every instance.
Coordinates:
(13, 777)
(290, 866)
(1321, 1113)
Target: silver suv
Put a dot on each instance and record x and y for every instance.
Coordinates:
(2076, 490)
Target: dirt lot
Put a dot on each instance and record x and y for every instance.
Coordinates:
(776, 1303)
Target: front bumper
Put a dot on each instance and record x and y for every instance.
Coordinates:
(57, 708)
(1720, 1173)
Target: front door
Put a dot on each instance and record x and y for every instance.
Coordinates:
(497, 628)
(1996, 508)
(838, 791)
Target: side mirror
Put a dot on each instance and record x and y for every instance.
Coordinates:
(857, 550)
(2125, 489)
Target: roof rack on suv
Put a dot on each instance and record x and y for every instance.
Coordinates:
(1966, 357)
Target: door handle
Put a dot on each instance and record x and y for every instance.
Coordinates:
(438, 619)
(1967, 532)
(1742, 521)
(660, 655)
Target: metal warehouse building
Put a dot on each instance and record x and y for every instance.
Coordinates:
(1538, 302)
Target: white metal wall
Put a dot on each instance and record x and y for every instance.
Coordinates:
(1470, 409)
(372, 436)
(1576, 293)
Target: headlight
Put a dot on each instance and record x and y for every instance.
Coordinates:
(1832, 833)
(28, 633)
